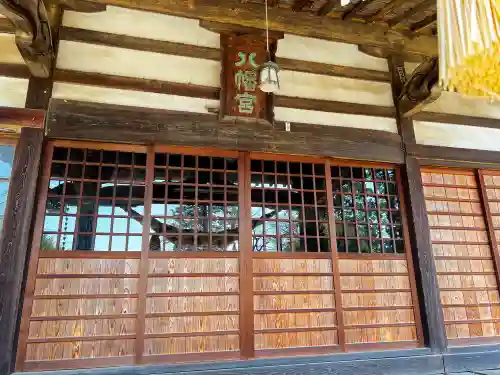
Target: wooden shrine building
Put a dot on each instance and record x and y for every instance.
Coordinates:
(161, 214)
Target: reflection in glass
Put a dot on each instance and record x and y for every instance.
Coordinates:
(370, 221)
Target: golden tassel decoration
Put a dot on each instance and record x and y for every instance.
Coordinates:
(469, 46)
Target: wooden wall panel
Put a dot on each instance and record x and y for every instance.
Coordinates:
(189, 324)
(188, 345)
(83, 308)
(464, 263)
(294, 303)
(287, 340)
(193, 284)
(81, 328)
(79, 349)
(59, 307)
(88, 266)
(192, 306)
(81, 286)
(376, 300)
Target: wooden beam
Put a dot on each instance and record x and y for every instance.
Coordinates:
(6, 26)
(14, 71)
(34, 27)
(446, 118)
(411, 12)
(228, 29)
(139, 44)
(333, 106)
(284, 20)
(15, 240)
(464, 155)
(39, 93)
(93, 121)
(423, 256)
(30, 118)
(332, 70)
(82, 6)
(172, 48)
(385, 53)
(137, 84)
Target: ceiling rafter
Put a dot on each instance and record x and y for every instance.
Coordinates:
(299, 5)
(386, 9)
(411, 12)
(424, 24)
(360, 6)
(328, 7)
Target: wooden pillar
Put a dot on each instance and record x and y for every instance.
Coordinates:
(423, 256)
(16, 238)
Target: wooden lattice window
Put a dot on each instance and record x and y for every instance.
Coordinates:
(289, 207)
(367, 210)
(195, 203)
(95, 200)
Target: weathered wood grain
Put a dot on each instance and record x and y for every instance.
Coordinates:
(15, 239)
(77, 120)
(421, 245)
(31, 118)
(39, 92)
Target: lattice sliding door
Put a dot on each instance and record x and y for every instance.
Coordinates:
(293, 269)
(379, 301)
(82, 294)
(464, 259)
(192, 296)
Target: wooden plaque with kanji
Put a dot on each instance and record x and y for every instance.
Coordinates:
(241, 61)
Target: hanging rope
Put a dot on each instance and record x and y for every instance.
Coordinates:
(469, 46)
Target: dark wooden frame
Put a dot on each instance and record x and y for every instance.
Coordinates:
(424, 270)
(15, 239)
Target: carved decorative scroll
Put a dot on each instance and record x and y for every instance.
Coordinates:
(421, 88)
(33, 33)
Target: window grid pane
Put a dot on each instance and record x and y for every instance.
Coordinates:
(289, 207)
(95, 200)
(366, 210)
(195, 203)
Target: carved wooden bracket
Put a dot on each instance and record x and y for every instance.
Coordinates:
(33, 33)
(421, 88)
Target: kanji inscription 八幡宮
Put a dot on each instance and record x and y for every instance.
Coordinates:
(240, 95)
